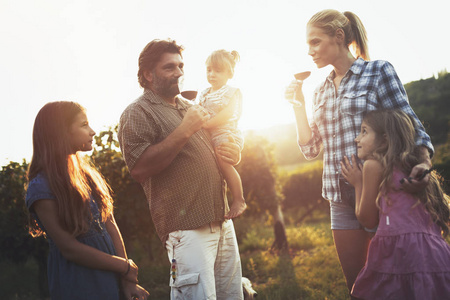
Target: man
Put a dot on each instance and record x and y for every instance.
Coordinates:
(167, 152)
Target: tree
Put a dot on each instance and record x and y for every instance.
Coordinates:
(17, 244)
(131, 208)
(429, 99)
(303, 189)
(260, 182)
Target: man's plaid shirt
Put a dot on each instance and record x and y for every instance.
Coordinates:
(337, 117)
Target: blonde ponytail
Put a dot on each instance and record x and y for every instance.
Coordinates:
(329, 20)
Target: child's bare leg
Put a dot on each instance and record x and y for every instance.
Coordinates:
(234, 182)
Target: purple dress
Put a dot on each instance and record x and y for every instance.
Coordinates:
(408, 258)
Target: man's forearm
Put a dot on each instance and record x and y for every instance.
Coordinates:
(157, 157)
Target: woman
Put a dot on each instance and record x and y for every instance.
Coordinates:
(355, 86)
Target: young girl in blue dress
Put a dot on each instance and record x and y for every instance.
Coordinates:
(224, 103)
(408, 257)
(70, 203)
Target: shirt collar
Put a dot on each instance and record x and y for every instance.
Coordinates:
(356, 68)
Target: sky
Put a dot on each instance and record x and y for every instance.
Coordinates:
(87, 51)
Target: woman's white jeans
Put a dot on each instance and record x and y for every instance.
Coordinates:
(208, 265)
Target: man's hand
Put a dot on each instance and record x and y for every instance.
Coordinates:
(194, 119)
(229, 152)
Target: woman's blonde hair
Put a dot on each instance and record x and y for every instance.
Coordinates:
(71, 177)
(329, 20)
(400, 151)
(224, 60)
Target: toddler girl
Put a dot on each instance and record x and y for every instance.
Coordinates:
(224, 102)
(408, 257)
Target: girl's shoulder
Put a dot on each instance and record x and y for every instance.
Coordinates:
(38, 188)
(233, 91)
(373, 166)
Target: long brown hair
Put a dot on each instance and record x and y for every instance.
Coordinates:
(329, 20)
(71, 177)
(400, 151)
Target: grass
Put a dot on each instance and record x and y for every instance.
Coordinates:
(309, 270)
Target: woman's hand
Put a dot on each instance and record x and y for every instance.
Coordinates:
(133, 291)
(418, 179)
(294, 93)
(352, 172)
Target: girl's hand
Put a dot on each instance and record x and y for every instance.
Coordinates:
(133, 291)
(352, 172)
(132, 273)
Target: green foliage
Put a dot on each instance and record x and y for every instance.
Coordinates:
(258, 171)
(302, 189)
(131, 208)
(17, 244)
(441, 162)
(308, 271)
(429, 99)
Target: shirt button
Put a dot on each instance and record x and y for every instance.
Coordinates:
(334, 135)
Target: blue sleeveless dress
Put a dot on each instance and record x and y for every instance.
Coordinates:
(68, 280)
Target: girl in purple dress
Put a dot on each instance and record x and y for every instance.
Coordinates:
(70, 203)
(408, 257)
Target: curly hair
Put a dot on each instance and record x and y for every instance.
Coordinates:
(400, 151)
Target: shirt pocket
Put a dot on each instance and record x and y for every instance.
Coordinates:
(354, 104)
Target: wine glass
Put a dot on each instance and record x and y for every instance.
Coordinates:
(189, 94)
(300, 76)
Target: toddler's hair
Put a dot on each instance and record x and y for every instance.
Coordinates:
(400, 151)
(224, 60)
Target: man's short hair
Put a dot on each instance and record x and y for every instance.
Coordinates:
(151, 55)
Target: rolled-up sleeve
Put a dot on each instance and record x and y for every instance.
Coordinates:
(314, 146)
(136, 133)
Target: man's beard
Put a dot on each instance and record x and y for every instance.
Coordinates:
(166, 88)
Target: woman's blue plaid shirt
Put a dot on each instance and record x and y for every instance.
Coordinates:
(337, 117)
